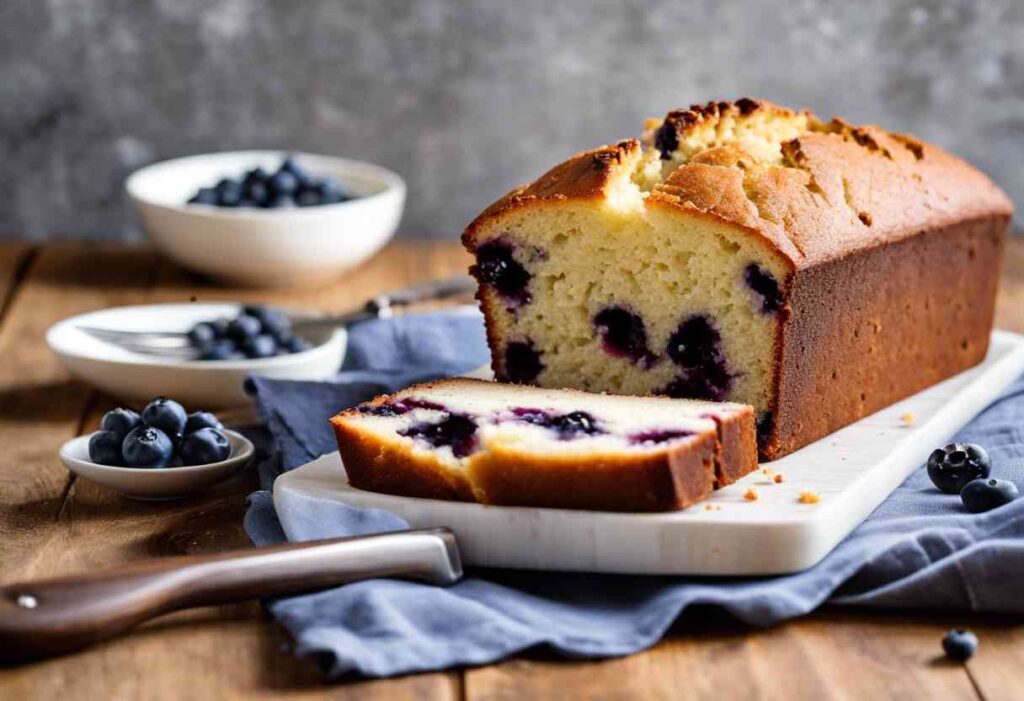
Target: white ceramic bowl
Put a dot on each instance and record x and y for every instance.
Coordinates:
(156, 483)
(205, 383)
(266, 247)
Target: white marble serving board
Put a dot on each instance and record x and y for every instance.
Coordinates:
(852, 470)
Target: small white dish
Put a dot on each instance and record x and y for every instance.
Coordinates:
(266, 247)
(207, 383)
(156, 483)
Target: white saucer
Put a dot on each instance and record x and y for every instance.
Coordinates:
(136, 377)
(156, 483)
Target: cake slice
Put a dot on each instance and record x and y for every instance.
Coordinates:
(471, 440)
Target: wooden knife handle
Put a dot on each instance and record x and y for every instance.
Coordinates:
(50, 617)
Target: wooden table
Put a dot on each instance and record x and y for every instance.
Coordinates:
(53, 524)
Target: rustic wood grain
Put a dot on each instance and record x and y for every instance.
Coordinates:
(51, 525)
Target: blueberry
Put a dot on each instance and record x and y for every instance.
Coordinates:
(703, 373)
(147, 446)
(272, 321)
(960, 644)
(656, 436)
(952, 467)
(765, 286)
(256, 175)
(496, 266)
(201, 419)
(986, 494)
(457, 431)
(105, 448)
(205, 195)
(166, 415)
(522, 362)
(223, 349)
(119, 421)
(293, 344)
(262, 346)
(205, 446)
(666, 139)
(280, 201)
(330, 192)
(623, 335)
(220, 327)
(257, 193)
(230, 195)
(243, 327)
(290, 166)
(283, 182)
(202, 335)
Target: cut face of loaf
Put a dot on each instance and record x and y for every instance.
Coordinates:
(749, 253)
(471, 440)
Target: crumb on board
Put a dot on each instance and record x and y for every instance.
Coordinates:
(808, 497)
(908, 418)
(750, 495)
(777, 479)
(712, 507)
(767, 472)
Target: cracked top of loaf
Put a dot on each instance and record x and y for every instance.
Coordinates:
(814, 190)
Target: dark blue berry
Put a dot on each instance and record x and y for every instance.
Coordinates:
(982, 495)
(666, 139)
(623, 334)
(220, 327)
(105, 448)
(294, 344)
(960, 645)
(280, 201)
(147, 446)
(764, 286)
(764, 424)
(272, 321)
(222, 350)
(522, 362)
(283, 182)
(307, 197)
(712, 383)
(201, 419)
(258, 193)
(290, 166)
(496, 266)
(202, 335)
(166, 415)
(205, 195)
(952, 467)
(695, 343)
(256, 175)
(457, 431)
(243, 327)
(119, 421)
(205, 446)
(330, 192)
(262, 346)
(230, 195)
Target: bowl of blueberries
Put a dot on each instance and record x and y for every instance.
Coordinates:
(160, 452)
(267, 218)
(221, 345)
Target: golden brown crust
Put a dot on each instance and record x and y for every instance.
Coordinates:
(673, 478)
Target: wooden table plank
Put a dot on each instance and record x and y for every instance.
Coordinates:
(230, 649)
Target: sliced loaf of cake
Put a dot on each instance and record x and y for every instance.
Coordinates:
(471, 440)
(817, 270)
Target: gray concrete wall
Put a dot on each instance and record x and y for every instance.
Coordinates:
(465, 98)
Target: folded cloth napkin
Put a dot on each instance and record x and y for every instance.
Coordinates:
(919, 549)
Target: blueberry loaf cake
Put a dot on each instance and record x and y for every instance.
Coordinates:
(471, 440)
(818, 271)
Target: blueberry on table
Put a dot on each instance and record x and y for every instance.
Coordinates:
(201, 419)
(205, 195)
(294, 344)
(243, 327)
(952, 467)
(202, 335)
(205, 446)
(105, 448)
(147, 446)
(224, 349)
(119, 421)
(166, 415)
(960, 644)
(983, 495)
(262, 346)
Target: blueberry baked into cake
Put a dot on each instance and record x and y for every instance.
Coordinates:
(471, 440)
(818, 271)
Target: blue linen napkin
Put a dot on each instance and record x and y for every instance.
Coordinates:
(919, 549)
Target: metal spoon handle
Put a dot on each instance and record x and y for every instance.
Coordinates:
(50, 617)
